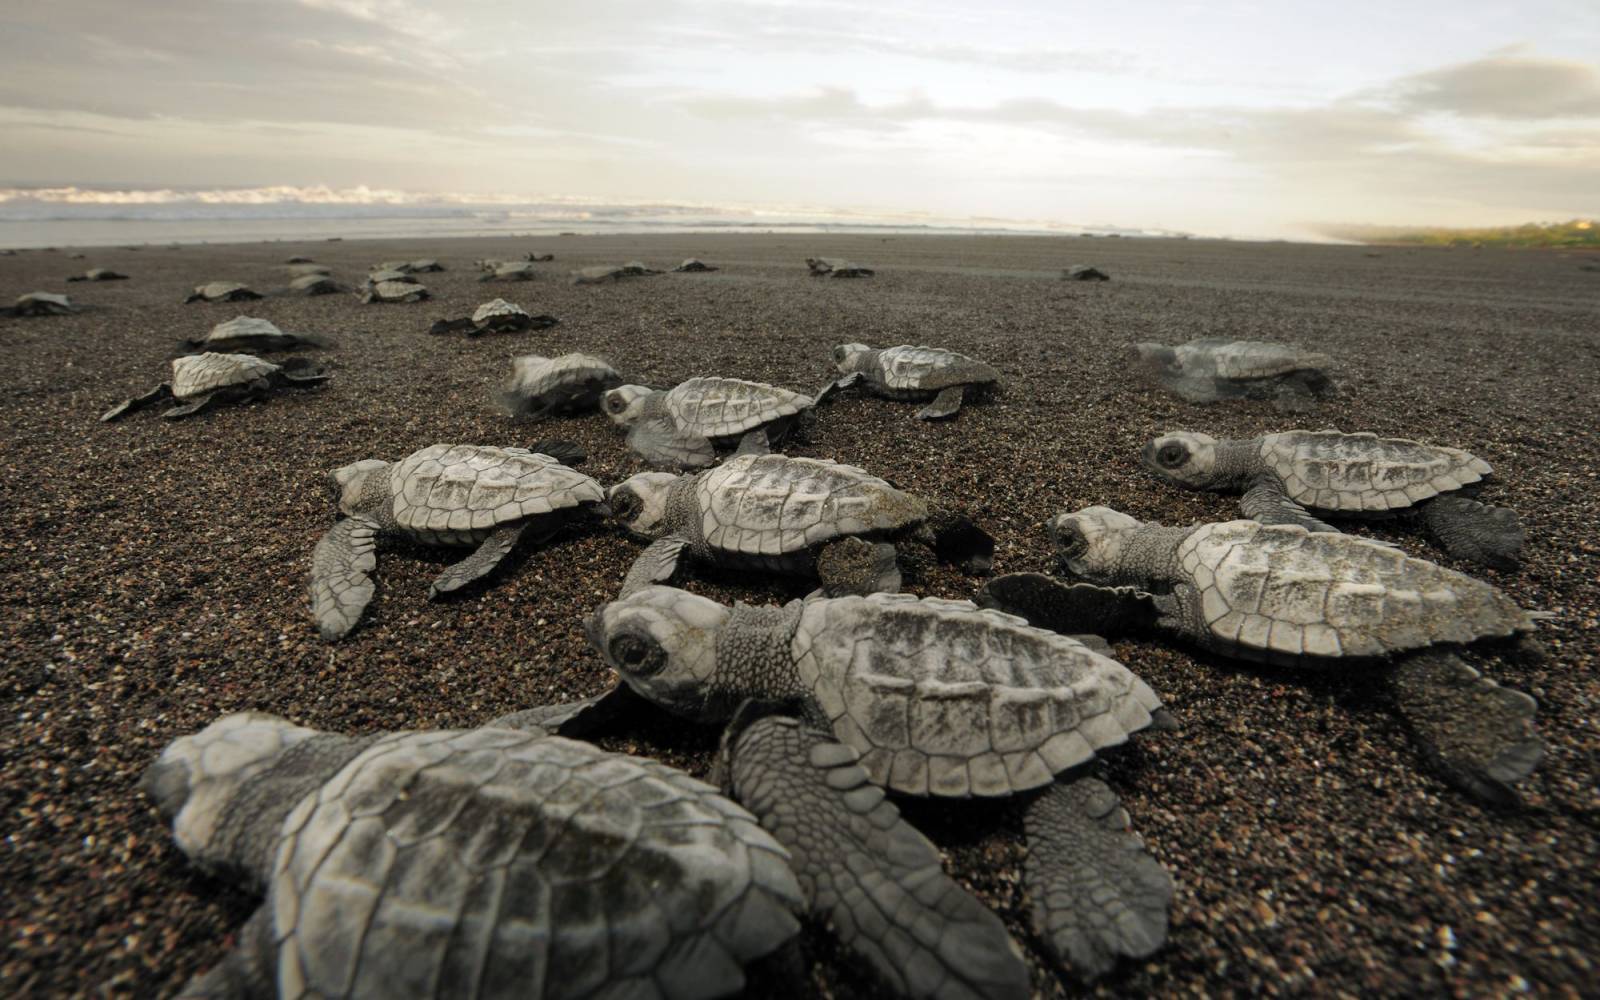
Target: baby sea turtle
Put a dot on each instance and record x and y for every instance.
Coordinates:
(682, 426)
(833, 267)
(695, 264)
(1084, 272)
(445, 494)
(248, 333)
(938, 698)
(298, 259)
(199, 380)
(397, 277)
(1204, 371)
(1281, 594)
(1347, 475)
(300, 270)
(805, 516)
(395, 291)
(99, 274)
(542, 386)
(490, 862)
(915, 373)
(423, 266)
(494, 316)
(40, 304)
(222, 291)
(317, 284)
(511, 270)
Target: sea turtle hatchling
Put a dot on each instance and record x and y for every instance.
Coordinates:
(1346, 475)
(695, 264)
(542, 386)
(394, 291)
(200, 380)
(40, 304)
(1084, 272)
(389, 274)
(804, 516)
(494, 316)
(938, 698)
(249, 333)
(222, 291)
(445, 494)
(681, 427)
(1204, 371)
(422, 266)
(833, 267)
(915, 373)
(317, 284)
(301, 270)
(511, 270)
(99, 274)
(1281, 594)
(493, 862)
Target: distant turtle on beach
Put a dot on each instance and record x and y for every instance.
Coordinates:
(297, 259)
(390, 275)
(250, 334)
(695, 264)
(494, 316)
(803, 516)
(542, 386)
(222, 291)
(603, 273)
(201, 380)
(511, 270)
(938, 698)
(1283, 595)
(1204, 371)
(478, 496)
(1084, 272)
(423, 266)
(682, 427)
(99, 274)
(40, 304)
(317, 284)
(300, 270)
(833, 267)
(394, 291)
(915, 373)
(1286, 476)
(495, 863)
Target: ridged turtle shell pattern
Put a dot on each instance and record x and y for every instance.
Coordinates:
(1294, 595)
(1246, 359)
(930, 368)
(216, 291)
(722, 407)
(942, 698)
(497, 863)
(455, 494)
(534, 375)
(197, 374)
(497, 310)
(1330, 470)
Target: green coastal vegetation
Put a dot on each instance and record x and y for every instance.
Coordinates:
(1574, 233)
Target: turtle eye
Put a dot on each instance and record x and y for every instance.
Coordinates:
(614, 404)
(1070, 541)
(636, 655)
(1171, 455)
(838, 354)
(625, 505)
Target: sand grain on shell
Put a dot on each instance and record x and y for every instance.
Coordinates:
(154, 572)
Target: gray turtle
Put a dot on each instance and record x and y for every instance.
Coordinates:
(200, 380)
(489, 862)
(834, 267)
(1084, 272)
(1347, 475)
(298, 259)
(395, 291)
(222, 291)
(915, 373)
(695, 264)
(249, 333)
(478, 496)
(938, 698)
(804, 516)
(41, 304)
(494, 316)
(511, 270)
(682, 426)
(598, 274)
(542, 386)
(422, 266)
(1204, 371)
(301, 270)
(638, 269)
(382, 275)
(1281, 594)
(317, 284)
(538, 257)
(99, 274)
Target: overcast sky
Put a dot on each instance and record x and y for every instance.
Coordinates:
(1218, 117)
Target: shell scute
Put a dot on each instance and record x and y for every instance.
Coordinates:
(1331, 470)
(197, 374)
(723, 407)
(930, 368)
(432, 485)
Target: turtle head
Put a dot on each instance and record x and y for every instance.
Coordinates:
(848, 357)
(640, 503)
(663, 643)
(625, 404)
(1090, 542)
(1183, 459)
(359, 485)
(1159, 358)
(195, 781)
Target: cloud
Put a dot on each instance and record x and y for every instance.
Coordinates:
(1506, 86)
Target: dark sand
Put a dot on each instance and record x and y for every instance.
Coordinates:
(153, 574)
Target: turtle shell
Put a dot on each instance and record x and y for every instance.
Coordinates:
(1283, 593)
(535, 376)
(225, 291)
(722, 407)
(932, 368)
(512, 864)
(1331, 470)
(455, 493)
(397, 291)
(942, 698)
(1246, 359)
(498, 311)
(773, 505)
(242, 330)
(197, 374)
(43, 304)
(314, 284)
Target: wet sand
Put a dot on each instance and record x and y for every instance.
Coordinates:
(154, 572)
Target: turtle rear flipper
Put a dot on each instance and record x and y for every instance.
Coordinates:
(946, 404)
(867, 871)
(1069, 608)
(1475, 531)
(196, 405)
(341, 575)
(658, 442)
(856, 566)
(127, 406)
(246, 971)
(1095, 894)
(1267, 503)
(1478, 735)
(481, 562)
(568, 453)
(755, 442)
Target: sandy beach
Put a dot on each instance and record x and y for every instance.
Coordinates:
(154, 572)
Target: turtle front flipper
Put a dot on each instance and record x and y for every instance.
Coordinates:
(481, 562)
(1267, 503)
(196, 405)
(609, 711)
(1478, 735)
(1069, 608)
(127, 406)
(838, 385)
(659, 442)
(867, 871)
(245, 972)
(1474, 531)
(944, 405)
(856, 566)
(655, 564)
(1095, 894)
(957, 539)
(341, 576)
